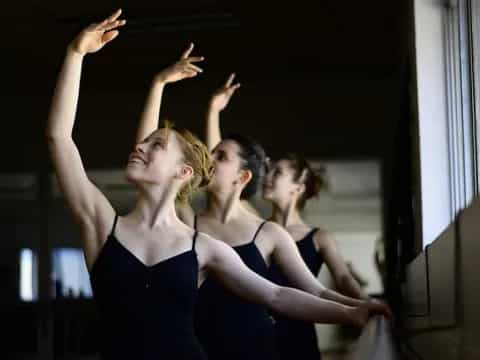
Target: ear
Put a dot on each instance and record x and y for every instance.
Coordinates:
(245, 177)
(185, 172)
(301, 189)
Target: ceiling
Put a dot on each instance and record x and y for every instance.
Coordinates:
(258, 38)
(324, 60)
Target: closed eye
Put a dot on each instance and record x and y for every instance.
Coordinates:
(220, 155)
(158, 142)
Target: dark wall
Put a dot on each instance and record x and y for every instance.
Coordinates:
(328, 78)
(329, 115)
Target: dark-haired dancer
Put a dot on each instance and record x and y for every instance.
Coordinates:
(290, 183)
(227, 326)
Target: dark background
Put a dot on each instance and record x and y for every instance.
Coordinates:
(323, 78)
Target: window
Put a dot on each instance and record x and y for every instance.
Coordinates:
(28, 275)
(70, 274)
(446, 112)
(475, 46)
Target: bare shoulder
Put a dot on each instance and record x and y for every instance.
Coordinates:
(275, 231)
(205, 240)
(322, 238)
(273, 227)
(208, 248)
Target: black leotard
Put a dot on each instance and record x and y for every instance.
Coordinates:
(297, 339)
(146, 311)
(230, 328)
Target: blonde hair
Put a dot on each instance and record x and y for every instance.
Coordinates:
(196, 155)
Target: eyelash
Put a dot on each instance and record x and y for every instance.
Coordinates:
(220, 156)
(158, 143)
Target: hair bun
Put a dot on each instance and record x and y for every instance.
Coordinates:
(314, 180)
(197, 156)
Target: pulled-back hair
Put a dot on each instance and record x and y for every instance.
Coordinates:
(304, 174)
(253, 159)
(196, 155)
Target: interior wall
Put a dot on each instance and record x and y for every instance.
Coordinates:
(436, 333)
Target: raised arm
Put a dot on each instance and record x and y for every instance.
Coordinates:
(287, 257)
(217, 104)
(337, 266)
(87, 204)
(182, 69)
(224, 264)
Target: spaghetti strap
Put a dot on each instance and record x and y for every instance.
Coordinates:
(194, 240)
(230, 328)
(258, 230)
(195, 221)
(311, 232)
(164, 298)
(112, 232)
(297, 339)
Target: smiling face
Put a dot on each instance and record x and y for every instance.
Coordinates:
(280, 185)
(158, 159)
(291, 180)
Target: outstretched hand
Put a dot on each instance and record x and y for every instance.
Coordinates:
(359, 316)
(182, 69)
(380, 308)
(222, 96)
(97, 35)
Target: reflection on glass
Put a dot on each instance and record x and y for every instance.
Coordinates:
(28, 274)
(70, 274)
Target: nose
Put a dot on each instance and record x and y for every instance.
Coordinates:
(140, 147)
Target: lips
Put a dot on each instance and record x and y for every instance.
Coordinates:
(134, 157)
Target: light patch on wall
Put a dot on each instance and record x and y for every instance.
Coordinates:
(28, 274)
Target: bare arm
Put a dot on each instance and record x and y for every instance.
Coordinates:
(223, 263)
(287, 257)
(182, 69)
(151, 111)
(213, 134)
(218, 103)
(87, 204)
(337, 266)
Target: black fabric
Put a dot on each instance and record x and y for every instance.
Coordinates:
(146, 311)
(297, 339)
(229, 327)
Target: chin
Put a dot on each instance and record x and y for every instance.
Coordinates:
(267, 194)
(131, 175)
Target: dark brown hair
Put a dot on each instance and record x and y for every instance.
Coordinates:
(253, 159)
(314, 181)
